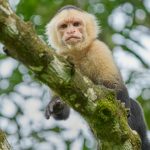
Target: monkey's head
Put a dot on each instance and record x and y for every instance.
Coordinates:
(72, 29)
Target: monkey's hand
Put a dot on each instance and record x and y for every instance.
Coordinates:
(6, 51)
(58, 109)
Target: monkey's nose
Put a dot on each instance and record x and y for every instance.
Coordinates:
(71, 31)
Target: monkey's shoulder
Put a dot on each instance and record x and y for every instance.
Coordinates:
(100, 49)
(99, 46)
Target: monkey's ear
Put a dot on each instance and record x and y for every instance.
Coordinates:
(92, 25)
(51, 33)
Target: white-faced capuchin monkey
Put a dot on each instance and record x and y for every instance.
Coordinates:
(73, 33)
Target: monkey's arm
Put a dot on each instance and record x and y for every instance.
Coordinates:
(121, 92)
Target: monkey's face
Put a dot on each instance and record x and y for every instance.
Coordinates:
(71, 31)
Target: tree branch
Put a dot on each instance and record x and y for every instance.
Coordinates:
(4, 145)
(105, 115)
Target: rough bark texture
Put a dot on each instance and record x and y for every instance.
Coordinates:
(4, 145)
(105, 115)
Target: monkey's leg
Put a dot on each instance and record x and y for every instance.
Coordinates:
(137, 122)
(57, 108)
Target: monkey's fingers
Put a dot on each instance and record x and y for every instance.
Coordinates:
(54, 107)
(6, 51)
(57, 106)
(48, 113)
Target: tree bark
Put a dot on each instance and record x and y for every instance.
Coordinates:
(4, 145)
(105, 115)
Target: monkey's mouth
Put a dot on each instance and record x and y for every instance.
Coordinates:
(73, 38)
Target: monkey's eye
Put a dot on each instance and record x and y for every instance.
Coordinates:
(76, 24)
(63, 26)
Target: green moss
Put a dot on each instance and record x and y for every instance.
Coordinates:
(36, 69)
(106, 120)
(1, 139)
(105, 111)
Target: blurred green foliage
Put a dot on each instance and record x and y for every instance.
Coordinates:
(124, 25)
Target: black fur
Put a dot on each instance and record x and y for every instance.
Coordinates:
(67, 7)
(6, 51)
(58, 109)
(136, 122)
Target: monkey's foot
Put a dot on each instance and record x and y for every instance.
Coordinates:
(128, 112)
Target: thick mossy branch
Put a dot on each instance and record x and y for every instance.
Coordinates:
(105, 115)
